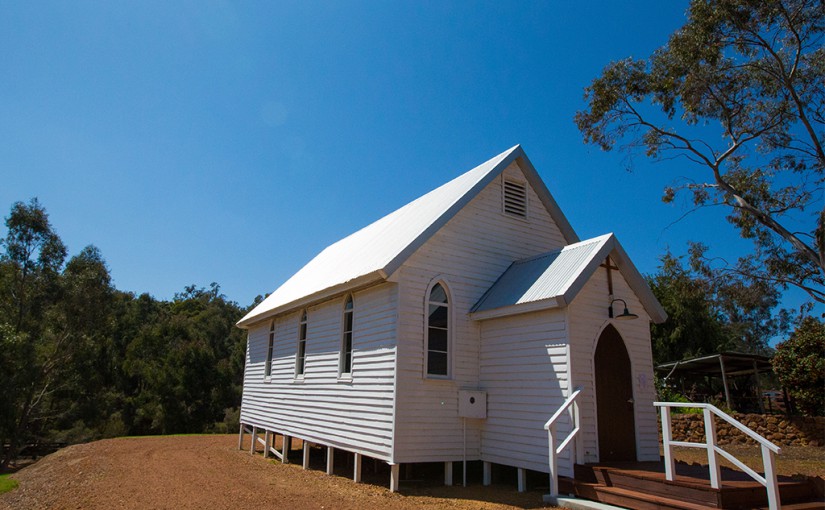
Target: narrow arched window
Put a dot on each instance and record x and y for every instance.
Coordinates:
(438, 332)
(300, 357)
(345, 366)
(268, 364)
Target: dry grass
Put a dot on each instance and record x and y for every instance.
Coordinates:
(794, 460)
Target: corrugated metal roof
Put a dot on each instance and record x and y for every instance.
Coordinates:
(553, 279)
(544, 277)
(376, 250)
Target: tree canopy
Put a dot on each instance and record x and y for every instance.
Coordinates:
(81, 360)
(710, 313)
(739, 91)
(800, 366)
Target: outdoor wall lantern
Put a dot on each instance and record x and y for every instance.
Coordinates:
(626, 315)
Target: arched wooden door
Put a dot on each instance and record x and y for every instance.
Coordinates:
(614, 399)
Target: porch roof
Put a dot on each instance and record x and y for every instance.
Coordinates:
(554, 279)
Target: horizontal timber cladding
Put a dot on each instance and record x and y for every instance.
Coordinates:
(524, 369)
(469, 254)
(588, 317)
(354, 415)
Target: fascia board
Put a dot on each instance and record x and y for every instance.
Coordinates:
(584, 274)
(442, 220)
(547, 198)
(637, 282)
(324, 295)
(504, 311)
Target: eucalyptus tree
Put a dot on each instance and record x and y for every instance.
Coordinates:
(53, 317)
(739, 91)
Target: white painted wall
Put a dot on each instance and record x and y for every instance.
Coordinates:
(470, 252)
(588, 317)
(524, 367)
(355, 415)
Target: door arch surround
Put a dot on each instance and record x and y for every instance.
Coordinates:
(614, 398)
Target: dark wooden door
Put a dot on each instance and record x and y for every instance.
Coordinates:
(614, 398)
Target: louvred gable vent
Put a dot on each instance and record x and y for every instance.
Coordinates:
(515, 198)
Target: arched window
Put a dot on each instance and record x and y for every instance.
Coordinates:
(345, 367)
(438, 332)
(300, 357)
(268, 365)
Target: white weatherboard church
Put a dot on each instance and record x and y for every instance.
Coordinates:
(452, 329)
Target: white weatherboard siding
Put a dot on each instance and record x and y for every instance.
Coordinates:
(588, 317)
(524, 371)
(355, 415)
(469, 253)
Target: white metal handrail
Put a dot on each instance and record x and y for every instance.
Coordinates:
(572, 406)
(769, 450)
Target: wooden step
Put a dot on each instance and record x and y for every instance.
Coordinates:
(649, 483)
(811, 505)
(698, 493)
(757, 496)
(635, 500)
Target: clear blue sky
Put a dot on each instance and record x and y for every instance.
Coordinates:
(196, 141)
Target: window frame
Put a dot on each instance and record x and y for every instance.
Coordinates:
(450, 327)
(270, 352)
(301, 347)
(346, 355)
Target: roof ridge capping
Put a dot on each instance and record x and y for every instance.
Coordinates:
(377, 250)
(567, 247)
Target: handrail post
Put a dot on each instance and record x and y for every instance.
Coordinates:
(771, 484)
(667, 437)
(710, 441)
(769, 450)
(577, 442)
(554, 474)
(573, 436)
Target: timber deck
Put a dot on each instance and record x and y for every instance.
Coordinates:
(642, 486)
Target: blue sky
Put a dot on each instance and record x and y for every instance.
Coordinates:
(197, 141)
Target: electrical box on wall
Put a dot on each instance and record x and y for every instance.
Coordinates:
(472, 404)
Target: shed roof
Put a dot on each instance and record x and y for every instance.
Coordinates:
(553, 279)
(376, 251)
(733, 364)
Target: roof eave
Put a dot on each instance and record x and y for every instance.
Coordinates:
(330, 292)
(546, 197)
(515, 154)
(638, 284)
(518, 308)
(398, 260)
(635, 280)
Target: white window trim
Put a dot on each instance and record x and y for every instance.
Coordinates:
(303, 320)
(346, 376)
(270, 351)
(450, 328)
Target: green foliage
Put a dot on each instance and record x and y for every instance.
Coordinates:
(665, 393)
(799, 363)
(739, 91)
(80, 360)
(7, 484)
(711, 312)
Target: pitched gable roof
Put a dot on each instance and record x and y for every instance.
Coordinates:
(376, 251)
(554, 279)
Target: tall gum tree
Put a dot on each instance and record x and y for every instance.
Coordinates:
(738, 91)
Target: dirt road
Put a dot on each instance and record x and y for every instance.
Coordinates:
(209, 472)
